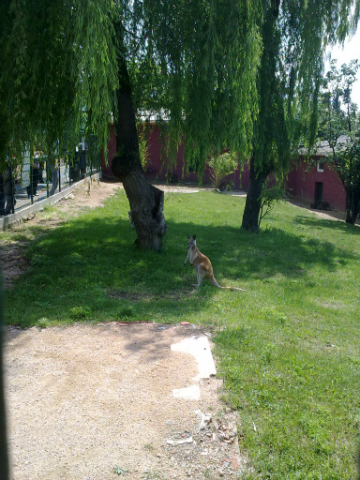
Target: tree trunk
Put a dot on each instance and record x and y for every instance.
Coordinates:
(146, 201)
(352, 209)
(253, 201)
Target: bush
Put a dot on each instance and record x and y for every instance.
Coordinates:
(269, 195)
(80, 313)
(221, 166)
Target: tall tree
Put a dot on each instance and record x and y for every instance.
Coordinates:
(146, 201)
(293, 34)
(194, 62)
(339, 126)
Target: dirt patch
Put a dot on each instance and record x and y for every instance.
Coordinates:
(13, 263)
(98, 403)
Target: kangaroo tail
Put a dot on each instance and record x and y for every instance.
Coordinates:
(214, 282)
(235, 288)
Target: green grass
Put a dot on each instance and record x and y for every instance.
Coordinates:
(288, 347)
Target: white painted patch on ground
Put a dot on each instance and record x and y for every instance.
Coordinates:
(199, 347)
(187, 393)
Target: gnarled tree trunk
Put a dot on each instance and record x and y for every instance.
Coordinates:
(253, 199)
(146, 201)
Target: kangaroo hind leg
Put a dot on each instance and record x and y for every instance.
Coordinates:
(199, 277)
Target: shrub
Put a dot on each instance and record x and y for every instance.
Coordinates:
(80, 313)
(269, 195)
(221, 166)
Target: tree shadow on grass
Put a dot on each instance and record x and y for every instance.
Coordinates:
(238, 254)
(323, 223)
(90, 269)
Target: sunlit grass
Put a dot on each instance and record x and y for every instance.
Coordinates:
(288, 347)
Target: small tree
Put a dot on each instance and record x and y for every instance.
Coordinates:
(268, 197)
(221, 166)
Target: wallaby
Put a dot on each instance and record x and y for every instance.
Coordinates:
(202, 265)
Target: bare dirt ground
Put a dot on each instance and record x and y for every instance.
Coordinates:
(98, 402)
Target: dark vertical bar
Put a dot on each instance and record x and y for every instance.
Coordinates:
(59, 156)
(91, 166)
(47, 177)
(12, 189)
(31, 176)
(4, 462)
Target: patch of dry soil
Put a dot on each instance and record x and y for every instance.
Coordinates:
(97, 402)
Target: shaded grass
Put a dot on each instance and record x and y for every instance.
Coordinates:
(288, 348)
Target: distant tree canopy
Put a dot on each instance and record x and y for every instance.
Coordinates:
(338, 115)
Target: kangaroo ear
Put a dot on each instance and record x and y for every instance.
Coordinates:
(194, 237)
(188, 236)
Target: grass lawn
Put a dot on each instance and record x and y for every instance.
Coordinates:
(288, 348)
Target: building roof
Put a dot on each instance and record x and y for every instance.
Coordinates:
(323, 149)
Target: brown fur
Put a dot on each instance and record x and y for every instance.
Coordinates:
(202, 265)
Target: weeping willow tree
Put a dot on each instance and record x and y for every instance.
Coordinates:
(194, 62)
(294, 34)
(58, 72)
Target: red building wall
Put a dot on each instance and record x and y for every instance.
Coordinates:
(157, 166)
(301, 183)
